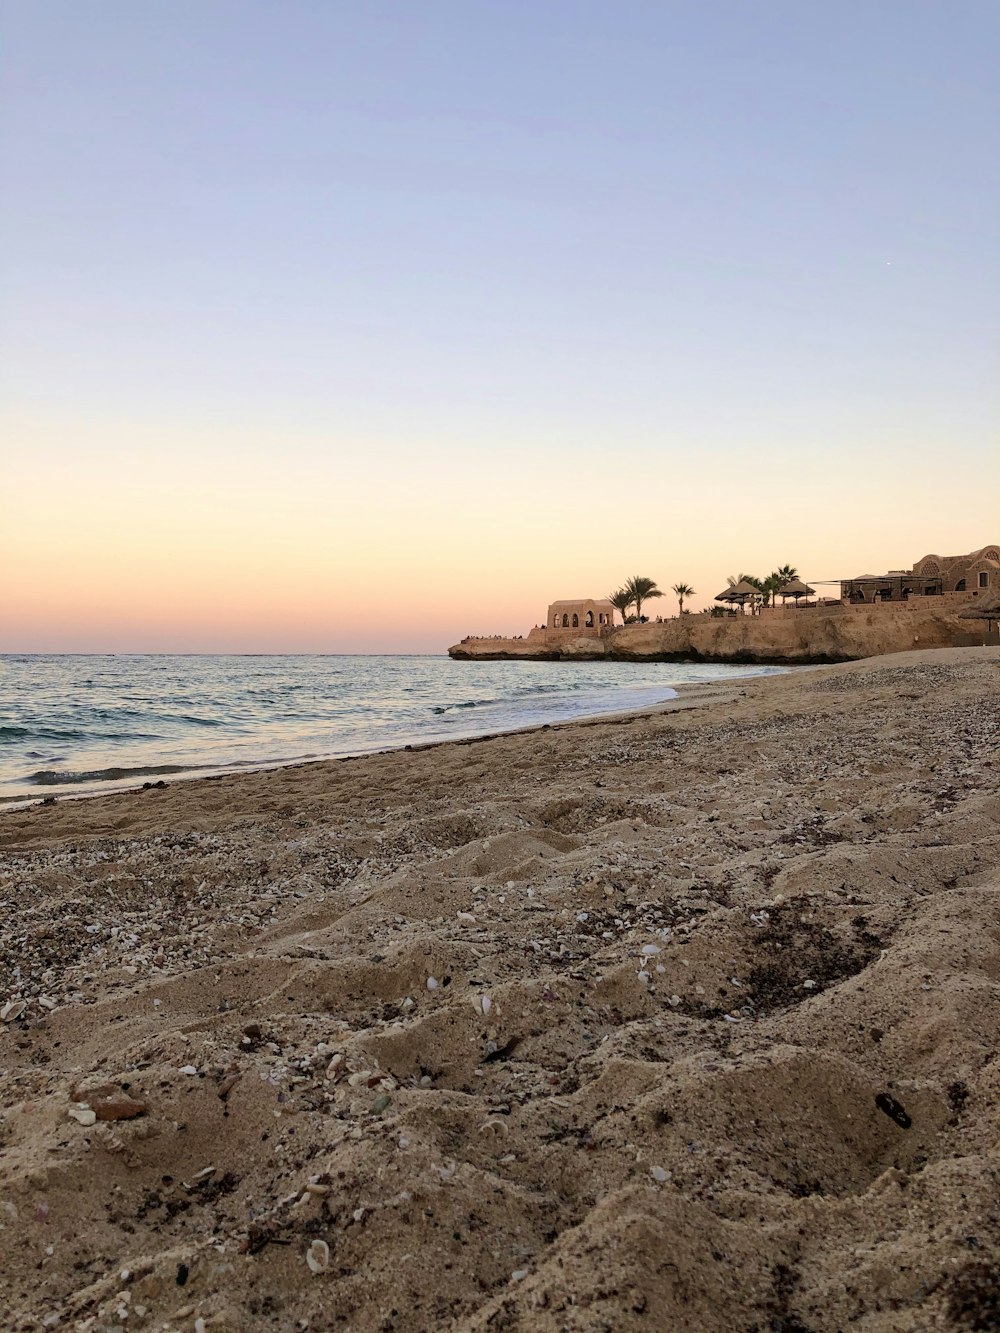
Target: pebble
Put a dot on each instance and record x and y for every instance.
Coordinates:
(659, 1174)
(118, 1108)
(432, 983)
(80, 1111)
(189, 1070)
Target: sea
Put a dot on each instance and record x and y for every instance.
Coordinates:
(84, 724)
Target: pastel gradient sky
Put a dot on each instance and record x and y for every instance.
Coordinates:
(361, 326)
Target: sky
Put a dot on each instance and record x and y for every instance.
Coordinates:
(346, 327)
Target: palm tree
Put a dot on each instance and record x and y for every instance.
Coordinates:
(621, 601)
(682, 590)
(777, 579)
(642, 589)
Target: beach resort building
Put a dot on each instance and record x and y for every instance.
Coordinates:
(932, 576)
(581, 616)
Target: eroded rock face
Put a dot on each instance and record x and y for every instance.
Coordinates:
(841, 634)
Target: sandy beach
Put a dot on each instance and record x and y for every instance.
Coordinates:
(681, 1021)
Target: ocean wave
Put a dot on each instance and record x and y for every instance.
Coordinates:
(45, 733)
(466, 703)
(74, 734)
(51, 777)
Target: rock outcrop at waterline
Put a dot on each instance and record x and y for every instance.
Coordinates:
(837, 633)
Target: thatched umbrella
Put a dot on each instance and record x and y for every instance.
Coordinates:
(727, 596)
(983, 608)
(796, 588)
(739, 592)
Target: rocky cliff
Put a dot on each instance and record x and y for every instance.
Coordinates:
(821, 634)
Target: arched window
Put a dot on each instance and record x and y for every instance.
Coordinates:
(960, 585)
(590, 620)
(576, 621)
(565, 622)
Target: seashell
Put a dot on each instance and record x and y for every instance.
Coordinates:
(318, 1256)
(485, 1003)
(650, 950)
(466, 916)
(80, 1111)
(190, 1070)
(13, 1009)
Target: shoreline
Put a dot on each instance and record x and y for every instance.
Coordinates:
(52, 793)
(710, 1042)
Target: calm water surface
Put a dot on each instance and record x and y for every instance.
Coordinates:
(80, 724)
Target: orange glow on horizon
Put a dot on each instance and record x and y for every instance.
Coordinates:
(213, 545)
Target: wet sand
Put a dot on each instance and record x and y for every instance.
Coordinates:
(682, 1021)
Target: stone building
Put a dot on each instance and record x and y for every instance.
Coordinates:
(932, 576)
(584, 616)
